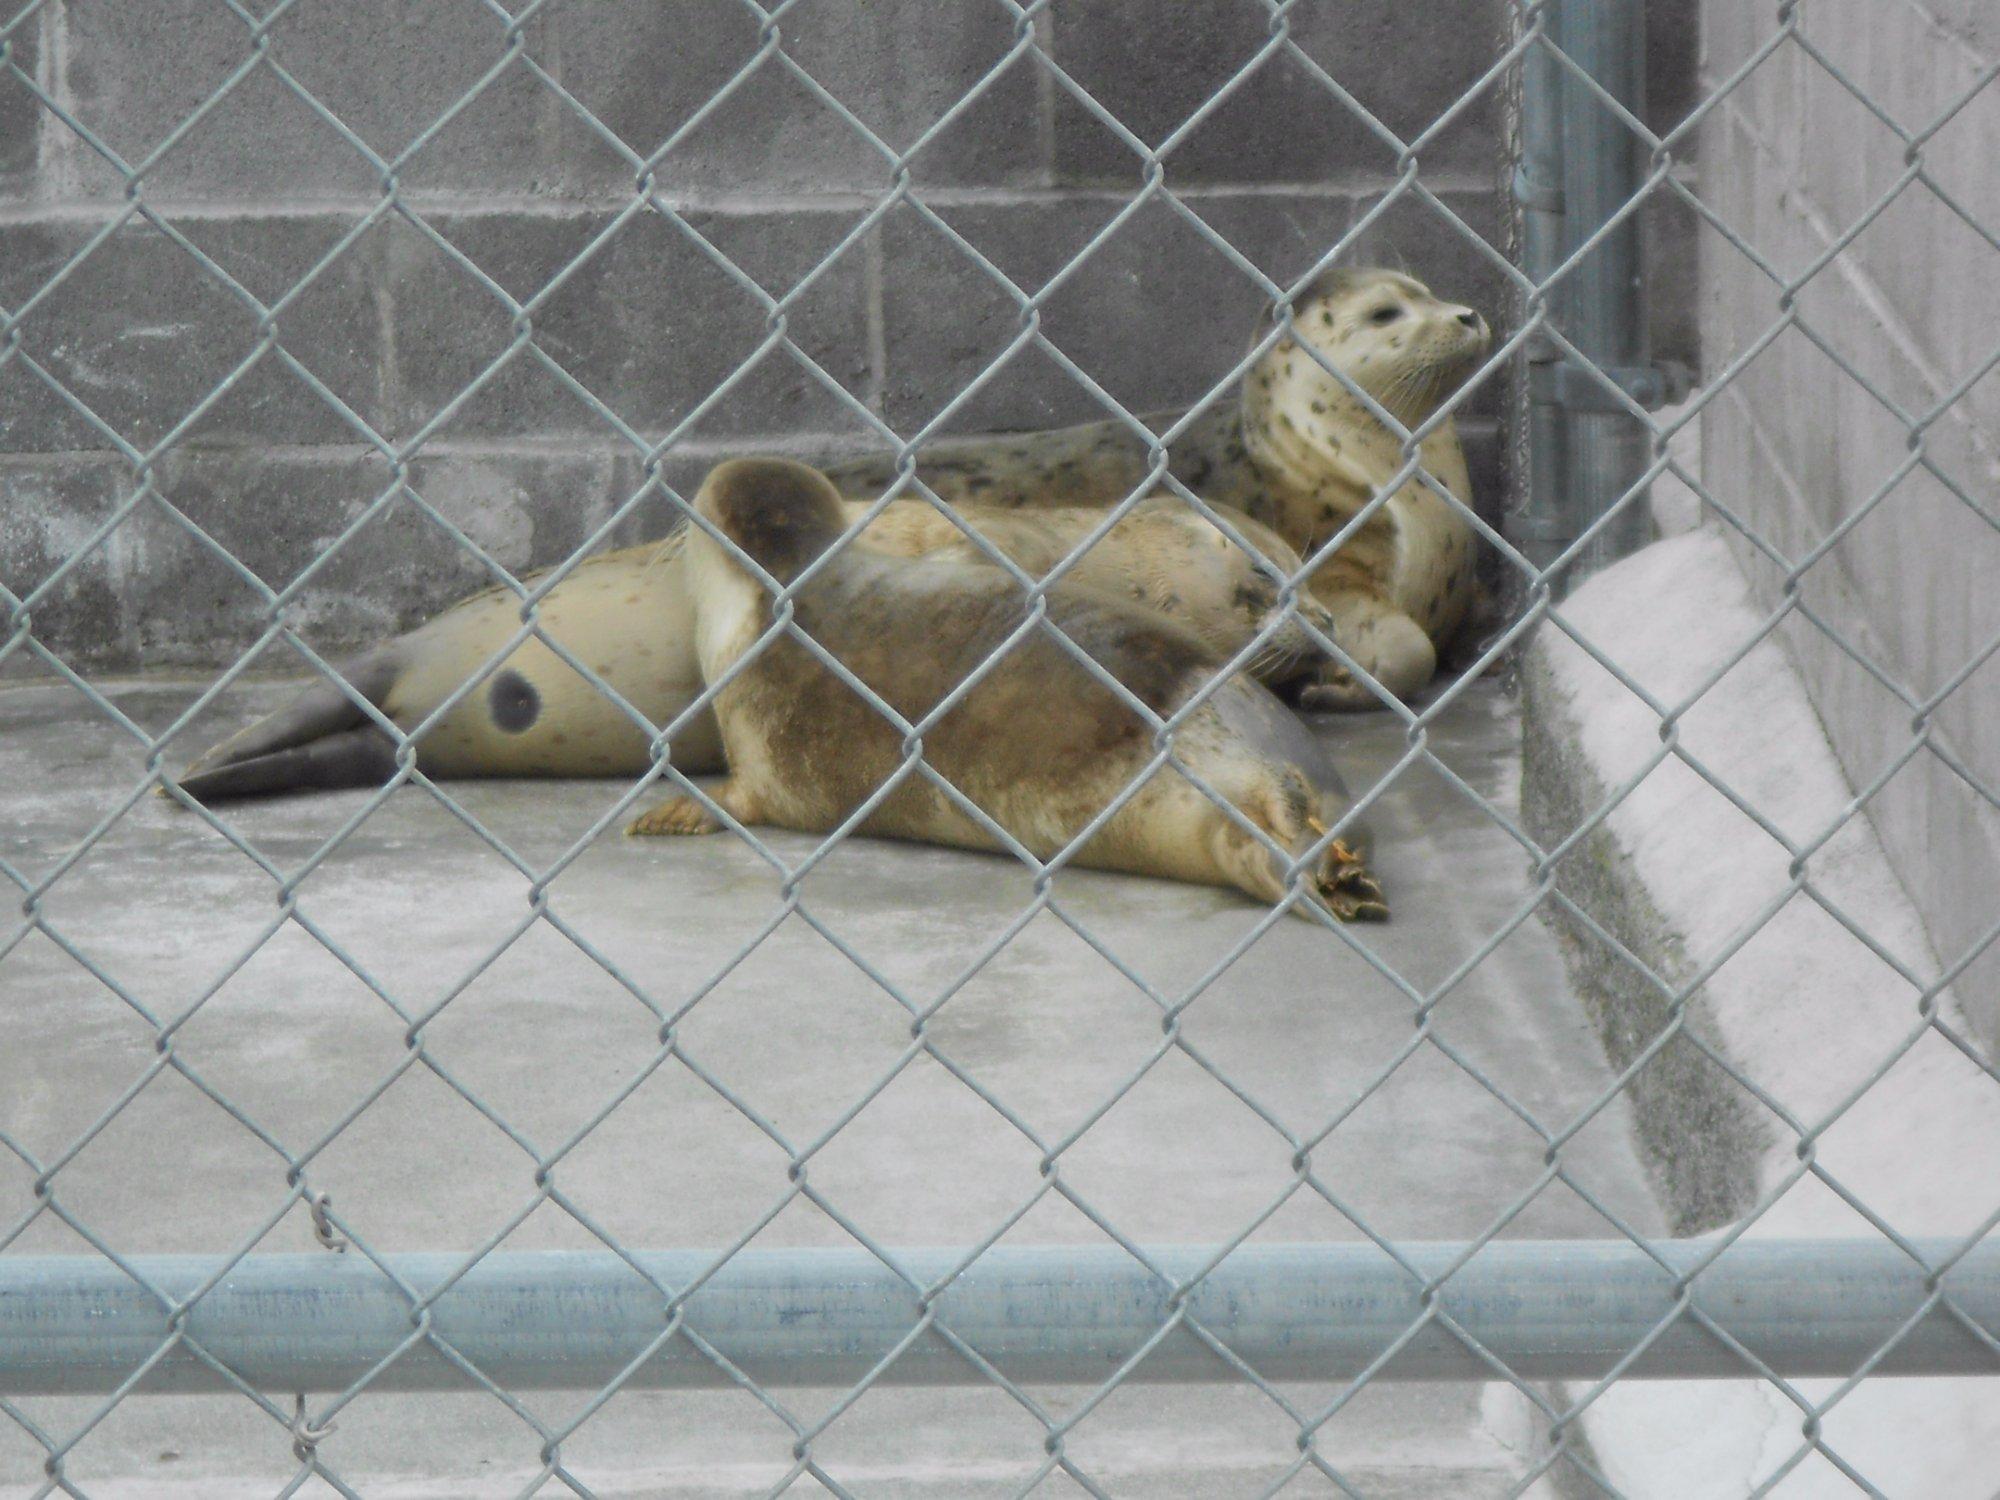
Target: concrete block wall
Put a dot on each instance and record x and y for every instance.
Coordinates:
(517, 191)
(1799, 445)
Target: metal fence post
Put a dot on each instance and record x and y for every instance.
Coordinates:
(1581, 165)
(1539, 530)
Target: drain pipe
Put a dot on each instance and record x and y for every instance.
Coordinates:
(1540, 526)
(1581, 165)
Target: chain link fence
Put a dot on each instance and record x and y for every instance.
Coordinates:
(1221, 1010)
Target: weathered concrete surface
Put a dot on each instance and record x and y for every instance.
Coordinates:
(1798, 444)
(1821, 1103)
(165, 907)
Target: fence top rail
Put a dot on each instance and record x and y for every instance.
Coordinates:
(1548, 1309)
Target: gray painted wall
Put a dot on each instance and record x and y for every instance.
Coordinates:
(1797, 446)
(396, 326)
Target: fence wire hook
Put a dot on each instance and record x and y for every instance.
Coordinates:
(305, 1436)
(318, 1204)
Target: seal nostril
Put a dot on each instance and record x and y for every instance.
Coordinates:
(1469, 318)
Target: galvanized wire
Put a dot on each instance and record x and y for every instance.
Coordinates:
(512, 56)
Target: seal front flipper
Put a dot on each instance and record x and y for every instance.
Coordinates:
(319, 741)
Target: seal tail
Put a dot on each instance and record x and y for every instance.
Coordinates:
(319, 741)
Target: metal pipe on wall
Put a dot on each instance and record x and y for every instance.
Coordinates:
(1539, 528)
(578, 1320)
(1581, 165)
(1605, 451)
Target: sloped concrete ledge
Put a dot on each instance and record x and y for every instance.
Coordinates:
(1866, 1104)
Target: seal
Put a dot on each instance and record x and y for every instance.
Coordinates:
(1037, 741)
(1299, 452)
(490, 707)
(1404, 579)
(1296, 453)
(624, 616)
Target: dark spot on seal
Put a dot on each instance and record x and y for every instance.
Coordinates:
(979, 482)
(513, 702)
(1251, 599)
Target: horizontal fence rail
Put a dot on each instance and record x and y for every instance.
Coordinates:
(539, 1320)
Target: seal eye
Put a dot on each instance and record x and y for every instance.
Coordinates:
(1385, 314)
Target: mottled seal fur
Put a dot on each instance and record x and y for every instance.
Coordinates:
(1037, 742)
(1300, 453)
(626, 617)
(1296, 452)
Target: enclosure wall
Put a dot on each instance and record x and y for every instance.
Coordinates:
(1862, 386)
(521, 181)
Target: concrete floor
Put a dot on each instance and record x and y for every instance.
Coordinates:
(167, 908)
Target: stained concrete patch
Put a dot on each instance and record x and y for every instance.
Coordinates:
(435, 937)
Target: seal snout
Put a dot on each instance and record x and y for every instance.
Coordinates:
(1468, 328)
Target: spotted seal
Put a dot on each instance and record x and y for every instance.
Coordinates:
(626, 618)
(1038, 741)
(1299, 452)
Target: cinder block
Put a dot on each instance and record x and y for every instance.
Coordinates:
(21, 113)
(648, 323)
(1729, 31)
(1960, 156)
(1155, 314)
(1767, 101)
(278, 513)
(387, 68)
(1971, 22)
(1849, 158)
(644, 70)
(391, 69)
(1154, 63)
(142, 334)
(49, 509)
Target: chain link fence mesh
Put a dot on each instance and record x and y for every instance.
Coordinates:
(509, 58)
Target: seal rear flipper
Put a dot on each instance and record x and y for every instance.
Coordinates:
(364, 756)
(321, 712)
